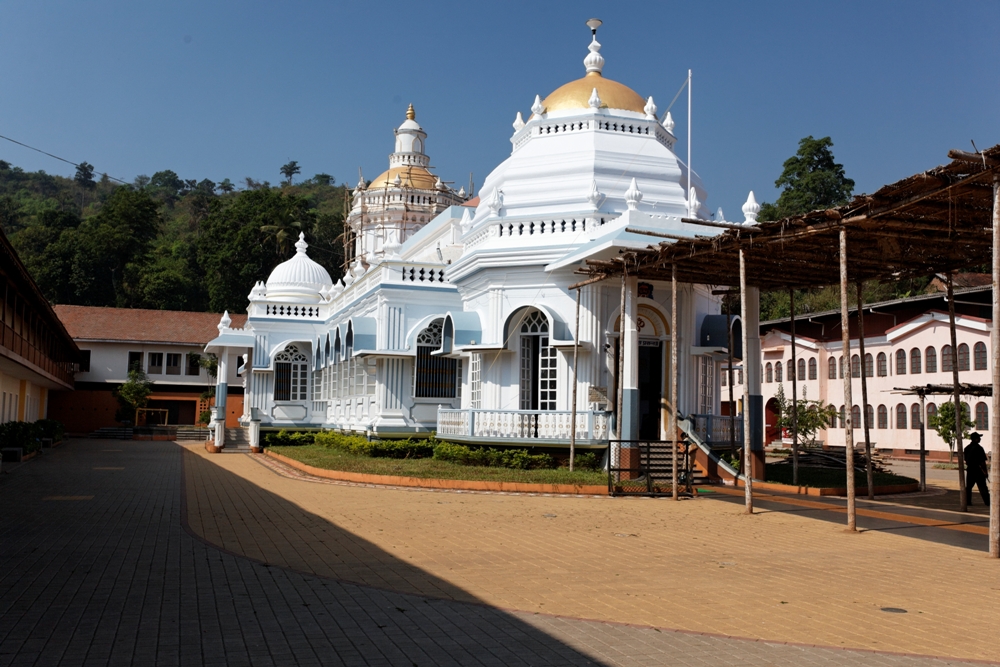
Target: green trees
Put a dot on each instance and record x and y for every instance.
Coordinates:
(290, 169)
(946, 425)
(811, 180)
(132, 395)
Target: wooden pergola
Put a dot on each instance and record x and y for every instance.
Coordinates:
(940, 221)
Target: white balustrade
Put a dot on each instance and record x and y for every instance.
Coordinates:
(522, 424)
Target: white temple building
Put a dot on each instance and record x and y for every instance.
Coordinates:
(460, 319)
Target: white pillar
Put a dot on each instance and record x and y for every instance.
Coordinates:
(221, 389)
(630, 365)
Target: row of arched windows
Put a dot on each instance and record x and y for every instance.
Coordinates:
(902, 416)
(914, 363)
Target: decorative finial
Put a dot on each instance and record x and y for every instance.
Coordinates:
(595, 197)
(338, 289)
(397, 181)
(537, 107)
(411, 114)
(495, 202)
(225, 321)
(668, 123)
(750, 210)
(720, 216)
(693, 203)
(650, 109)
(461, 192)
(518, 122)
(595, 100)
(594, 62)
(439, 184)
(301, 245)
(633, 196)
(466, 223)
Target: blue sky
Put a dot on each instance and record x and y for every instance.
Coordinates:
(235, 89)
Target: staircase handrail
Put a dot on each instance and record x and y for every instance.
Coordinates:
(685, 425)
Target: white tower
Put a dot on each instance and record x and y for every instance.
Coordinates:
(401, 200)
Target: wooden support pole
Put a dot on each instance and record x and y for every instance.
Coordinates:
(673, 373)
(732, 402)
(621, 361)
(795, 393)
(923, 443)
(576, 366)
(963, 504)
(995, 345)
(870, 468)
(845, 330)
(747, 456)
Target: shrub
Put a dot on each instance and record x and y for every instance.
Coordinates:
(50, 428)
(285, 438)
(586, 461)
(389, 449)
(491, 457)
(20, 434)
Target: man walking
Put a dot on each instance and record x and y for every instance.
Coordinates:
(976, 470)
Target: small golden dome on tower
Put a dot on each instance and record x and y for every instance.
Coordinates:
(411, 114)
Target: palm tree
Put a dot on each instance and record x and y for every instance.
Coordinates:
(290, 170)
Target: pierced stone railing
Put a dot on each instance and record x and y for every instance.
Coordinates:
(554, 426)
(715, 430)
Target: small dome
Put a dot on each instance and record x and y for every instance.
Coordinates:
(576, 95)
(298, 279)
(409, 177)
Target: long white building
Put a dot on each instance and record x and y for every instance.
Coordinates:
(457, 316)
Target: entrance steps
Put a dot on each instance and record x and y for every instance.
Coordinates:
(237, 441)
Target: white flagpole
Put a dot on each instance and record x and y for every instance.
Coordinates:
(691, 213)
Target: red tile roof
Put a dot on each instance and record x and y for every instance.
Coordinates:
(137, 324)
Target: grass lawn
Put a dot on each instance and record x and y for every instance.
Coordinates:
(825, 477)
(331, 459)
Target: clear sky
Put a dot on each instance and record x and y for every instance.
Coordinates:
(235, 89)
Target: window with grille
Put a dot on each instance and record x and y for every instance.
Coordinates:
(813, 370)
(291, 375)
(855, 416)
(915, 416)
(869, 366)
(434, 376)
(777, 372)
(475, 382)
(900, 362)
(855, 366)
(800, 372)
(831, 369)
(915, 361)
(982, 417)
(135, 360)
(173, 364)
(883, 366)
(930, 360)
(193, 364)
(538, 370)
(946, 359)
(706, 388)
(980, 356)
(900, 416)
(883, 417)
(769, 372)
(931, 411)
(870, 416)
(963, 357)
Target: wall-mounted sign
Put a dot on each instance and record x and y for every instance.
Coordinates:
(646, 290)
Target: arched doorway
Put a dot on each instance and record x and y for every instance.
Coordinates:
(771, 430)
(654, 370)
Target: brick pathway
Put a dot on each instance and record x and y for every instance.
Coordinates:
(97, 568)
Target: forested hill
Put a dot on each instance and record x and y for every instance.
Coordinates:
(164, 242)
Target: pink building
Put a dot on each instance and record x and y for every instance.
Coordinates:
(907, 343)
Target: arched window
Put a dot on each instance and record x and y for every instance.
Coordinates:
(900, 416)
(883, 417)
(856, 417)
(813, 370)
(900, 362)
(840, 367)
(931, 411)
(831, 368)
(915, 416)
(982, 417)
(966, 410)
(869, 366)
(434, 377)
(769, 372)
(843, 417)
(946, 359)
(963, 357)
(979, 352)
(538, 364)
(800, 372)
(883, 367)
(870, 415)
(930, 359)
(777, 372)
(855, 366)
(291, 375)
(915, 361)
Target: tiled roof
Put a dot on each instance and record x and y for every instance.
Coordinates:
(137, 324)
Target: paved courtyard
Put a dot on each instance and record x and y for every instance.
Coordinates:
(151, 553)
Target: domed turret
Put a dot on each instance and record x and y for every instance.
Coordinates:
(299, 279)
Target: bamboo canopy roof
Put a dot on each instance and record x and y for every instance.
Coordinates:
(964, 389)
(933, 222)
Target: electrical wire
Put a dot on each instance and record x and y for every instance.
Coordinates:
(61, 159)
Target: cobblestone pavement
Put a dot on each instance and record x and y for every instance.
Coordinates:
(97, 568)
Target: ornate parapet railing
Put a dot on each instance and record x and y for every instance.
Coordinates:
(523, 426)
(715, 430)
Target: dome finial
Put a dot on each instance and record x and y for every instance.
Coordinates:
(301, 245)
(411, 114)
(595, 100)
(633, 196)
(594, 62)
(750, 210)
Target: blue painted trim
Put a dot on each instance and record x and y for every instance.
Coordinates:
(221, 391)
(630, 414)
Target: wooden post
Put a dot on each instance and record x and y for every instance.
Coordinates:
(795, 393)
(576, 357)
(621, 362)
(963, 504)
(845, 336)
(923, 443)
(747, 466)
(864, 396)
(732, 402)
(995, 345)
(673, 371)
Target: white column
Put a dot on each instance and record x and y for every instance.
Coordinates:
(630, 366)
(221, 389)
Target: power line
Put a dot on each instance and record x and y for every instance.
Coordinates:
(39, 150)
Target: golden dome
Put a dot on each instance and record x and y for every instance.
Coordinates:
(575, 95)
(409, 177)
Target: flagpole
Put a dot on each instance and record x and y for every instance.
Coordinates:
(691, 213)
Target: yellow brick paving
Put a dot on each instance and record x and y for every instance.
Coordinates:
(697, 565)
